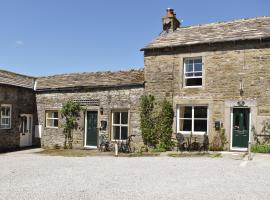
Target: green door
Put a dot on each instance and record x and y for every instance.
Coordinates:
(91, 134)
(240, 127)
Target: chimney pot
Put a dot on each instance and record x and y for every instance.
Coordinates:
(170, 21)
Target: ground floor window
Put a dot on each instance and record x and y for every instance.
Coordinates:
(119, 125)
(52, 119)
(5, 116)
(192, 119)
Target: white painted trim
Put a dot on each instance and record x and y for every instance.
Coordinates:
(184, 72)
(30, 131)
(192, 119)
(10, 117)
(231, 115)
(90, 147)
(120, 125)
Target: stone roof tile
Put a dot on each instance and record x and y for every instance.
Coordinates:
(92, 80)
(14, 79)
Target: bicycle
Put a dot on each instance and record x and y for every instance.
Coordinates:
(124, 146)
(105, 144)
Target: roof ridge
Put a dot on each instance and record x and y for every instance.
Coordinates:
(224, 22)
(97, 72)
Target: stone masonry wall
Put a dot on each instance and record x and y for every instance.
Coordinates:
(224, 65)
(110, 99)
(23, 102)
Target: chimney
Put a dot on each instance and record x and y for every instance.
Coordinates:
(170, 22)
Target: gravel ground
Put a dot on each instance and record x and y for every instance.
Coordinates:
(34, 176)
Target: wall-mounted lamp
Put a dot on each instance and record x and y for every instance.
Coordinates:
(101, 110)
(241, 87)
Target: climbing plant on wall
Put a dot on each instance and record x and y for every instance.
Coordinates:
(164, 125)
(149, 136)
(70, 112)
(156, 122)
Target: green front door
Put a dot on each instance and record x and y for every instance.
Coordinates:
(91, 131)
(240, 128)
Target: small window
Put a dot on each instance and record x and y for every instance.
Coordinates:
(192, 119)
(119, 125)
(193, 73)
(5, 116)
(52, 119)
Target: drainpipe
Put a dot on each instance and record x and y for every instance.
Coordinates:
(116, 149)
(35, 84)
(249, 151)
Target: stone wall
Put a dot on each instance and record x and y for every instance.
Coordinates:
(224, 65)
(23, 102)
(109, 99)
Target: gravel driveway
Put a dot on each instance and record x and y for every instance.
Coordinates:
(34, 176)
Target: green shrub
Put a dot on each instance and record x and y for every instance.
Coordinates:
(260, 148)
(70, 112)
(164, 125)
(149, 136)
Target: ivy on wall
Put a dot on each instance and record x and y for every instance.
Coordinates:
(70, 112)
(156, 122)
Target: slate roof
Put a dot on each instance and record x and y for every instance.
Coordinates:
(14, 79)
(91, 80)
(243, 29)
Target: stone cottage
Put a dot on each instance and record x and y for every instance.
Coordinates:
(217, 76)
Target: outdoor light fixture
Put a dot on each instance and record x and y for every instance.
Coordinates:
(101, 110)
(241, 87)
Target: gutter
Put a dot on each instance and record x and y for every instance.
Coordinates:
(74, 88)
(201, 43)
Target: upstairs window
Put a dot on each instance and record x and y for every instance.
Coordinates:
(5, 116)
(120, 125)
(193, 72)
(52, 119)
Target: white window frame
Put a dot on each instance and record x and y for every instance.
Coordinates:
(188, 77)
(119, 125)
(51, 118)
(192, 120)
(6, 117)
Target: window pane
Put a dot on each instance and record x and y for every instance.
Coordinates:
(116, 117)
(189, 74)
(124, 117)
(200, 125)
(55, 114)
(186, 112)
(124, 133)
(185, 125)
(199, 60)
(116, 132)
(200, 112)
(49, 123)
(198, 67)
(55, 123)
(194, 82)
(198, 74)
(189, 61)
(189, 68)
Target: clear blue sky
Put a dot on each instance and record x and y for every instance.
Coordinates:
(44, 37)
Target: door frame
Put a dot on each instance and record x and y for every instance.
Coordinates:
(30, 139)
(85, 129)
(249, 131)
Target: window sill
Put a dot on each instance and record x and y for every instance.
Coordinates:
(47, 127)
(192, 87)
(5, 128)
(194, 133)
